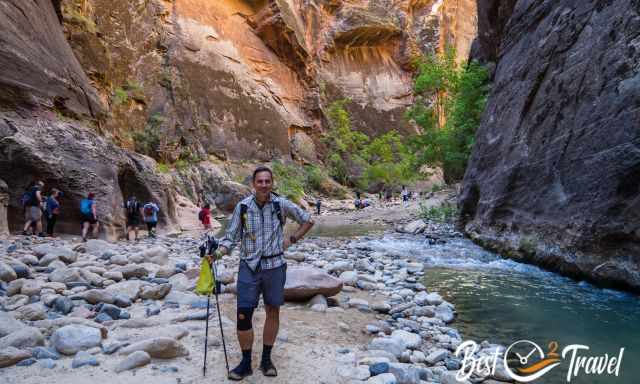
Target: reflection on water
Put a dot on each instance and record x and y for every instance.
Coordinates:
(504, 301)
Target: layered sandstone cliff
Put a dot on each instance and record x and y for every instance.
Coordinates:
(554, 175)
(212, 81)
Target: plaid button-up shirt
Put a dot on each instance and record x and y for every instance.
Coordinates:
(263, 235)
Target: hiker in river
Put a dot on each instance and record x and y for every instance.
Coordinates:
(32, 202)
(150, 214)
(132, 208)
(89, 216)
(318, 205)
(258, 225)
(52, 210)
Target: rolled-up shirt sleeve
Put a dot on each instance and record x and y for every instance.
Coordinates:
(295, 212)
(234, 230)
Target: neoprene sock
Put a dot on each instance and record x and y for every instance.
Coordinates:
(266, 354)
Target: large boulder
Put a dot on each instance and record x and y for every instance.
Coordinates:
(66, 275)
(130, 289)
(7, 273)
(305, 282)
(158, 347)
(11, 355)
(73, 338)
(8, 324)
(26, 337)
(55, 252)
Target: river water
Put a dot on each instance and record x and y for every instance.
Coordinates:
(504, 301)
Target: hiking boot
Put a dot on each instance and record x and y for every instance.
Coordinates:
(268, 369)
(25, 233)
(240, 372)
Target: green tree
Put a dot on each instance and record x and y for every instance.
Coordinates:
(345, 145)
(389, 161)
(450, 99)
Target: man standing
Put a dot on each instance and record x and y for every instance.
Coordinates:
(89, 216)
(258, 224)
(318, 205)
(33, 207)
(150, 214)
(132, 208)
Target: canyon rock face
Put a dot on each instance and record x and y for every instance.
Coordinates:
(45, 93)
(249, 79)
(207, 83)
(553, 178)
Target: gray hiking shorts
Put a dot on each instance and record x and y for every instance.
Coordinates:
(269, 282)
(34, 213)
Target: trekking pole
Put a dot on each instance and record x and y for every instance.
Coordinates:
(218, 286)
(206, 339)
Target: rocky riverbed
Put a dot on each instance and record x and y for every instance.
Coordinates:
(126, 312)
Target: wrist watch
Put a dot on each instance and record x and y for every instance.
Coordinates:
(293, 239)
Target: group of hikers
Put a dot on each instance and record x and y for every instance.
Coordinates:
(38, 207)
(383, 197)
(137, 213)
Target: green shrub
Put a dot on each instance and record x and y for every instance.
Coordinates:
(437, 187)
(314, 176)
(442, 213)
(148, 141)
(79, 19)
(163, 168)
(289, 179)
(181, 164)
(120, 96)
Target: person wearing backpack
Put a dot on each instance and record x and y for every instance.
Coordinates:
(52, 210)
(33, 209)
(89, 216)
(150, 215)
(405, 196)
(205, 216)
(132, 210)
(257, 225)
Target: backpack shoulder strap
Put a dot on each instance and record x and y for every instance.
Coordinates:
(243, 216)
(278, 209)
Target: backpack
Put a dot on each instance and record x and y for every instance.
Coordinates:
(25, 199)
(201, 215)
(132, 208)
(85, 206)
(148, 210)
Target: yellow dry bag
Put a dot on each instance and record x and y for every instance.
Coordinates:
(206, 281)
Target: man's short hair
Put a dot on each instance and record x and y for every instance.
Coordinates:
(261, 168)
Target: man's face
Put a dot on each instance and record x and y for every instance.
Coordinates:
(263, 183)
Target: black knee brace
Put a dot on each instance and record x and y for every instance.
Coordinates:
(245, 316)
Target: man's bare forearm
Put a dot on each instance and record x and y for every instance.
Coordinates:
(303, 229)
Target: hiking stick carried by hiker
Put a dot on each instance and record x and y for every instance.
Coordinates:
(206, 283)
(217, 289)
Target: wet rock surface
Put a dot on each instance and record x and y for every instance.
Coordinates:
(549, 179)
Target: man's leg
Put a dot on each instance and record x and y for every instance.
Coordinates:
(247, 300)
(95, 230)
(273, 294)
(271, 325)
(85, 229)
